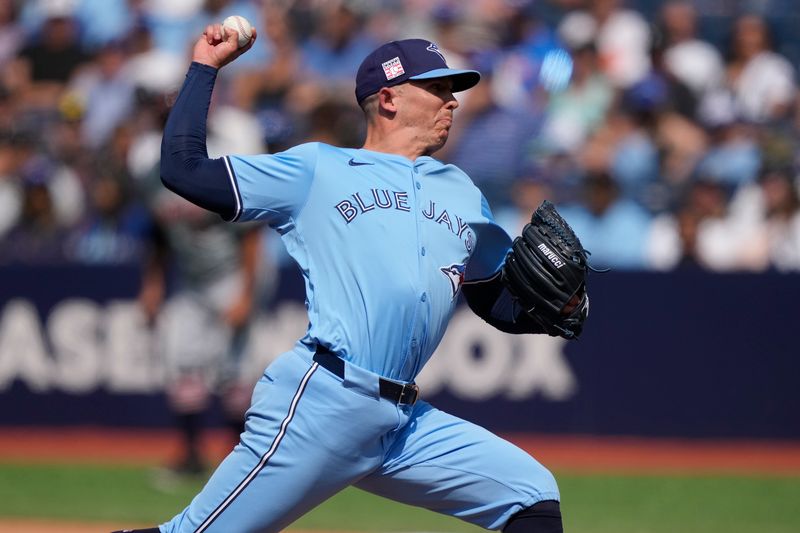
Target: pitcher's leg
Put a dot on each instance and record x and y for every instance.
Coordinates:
(454, 467)
(301, 445)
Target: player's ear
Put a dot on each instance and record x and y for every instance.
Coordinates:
(387, 100)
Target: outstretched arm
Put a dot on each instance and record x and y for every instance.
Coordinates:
(185, 166)
(483, 288)
(490, 300)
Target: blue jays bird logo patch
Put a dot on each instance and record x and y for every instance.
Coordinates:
(454, 273)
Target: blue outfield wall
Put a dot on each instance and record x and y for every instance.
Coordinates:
(687, 354)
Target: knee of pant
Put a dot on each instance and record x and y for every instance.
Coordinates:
(547, 484)
(541, 517)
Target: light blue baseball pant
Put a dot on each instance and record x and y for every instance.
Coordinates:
(309, 434)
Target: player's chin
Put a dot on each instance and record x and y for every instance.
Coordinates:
(438, 138)
(438, 144)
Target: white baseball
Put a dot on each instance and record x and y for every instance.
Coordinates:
(241, 26)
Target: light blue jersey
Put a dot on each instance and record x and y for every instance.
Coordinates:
(383, 243)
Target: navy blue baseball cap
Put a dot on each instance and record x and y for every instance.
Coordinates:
(397, 62)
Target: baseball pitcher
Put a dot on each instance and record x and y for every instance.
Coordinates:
(386, 237)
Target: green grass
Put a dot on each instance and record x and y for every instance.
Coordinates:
(591, 503)
(680, 504)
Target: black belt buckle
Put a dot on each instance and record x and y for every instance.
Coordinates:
(399, 393)
(409, 394)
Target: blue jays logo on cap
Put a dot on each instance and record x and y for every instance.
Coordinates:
(397, 62)
(435, 49)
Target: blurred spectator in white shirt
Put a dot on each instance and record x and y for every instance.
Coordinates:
(762, 81)
(672, 243)
(773, 206)
(622, 37)
(153, 69)
(708, 231)
(694, 62)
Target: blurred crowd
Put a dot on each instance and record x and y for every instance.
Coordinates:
(663, 148)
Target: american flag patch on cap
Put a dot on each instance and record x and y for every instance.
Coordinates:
(393, 68)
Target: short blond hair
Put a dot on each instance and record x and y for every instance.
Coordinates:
(370, 106)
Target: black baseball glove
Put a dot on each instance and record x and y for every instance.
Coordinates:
(545, 271)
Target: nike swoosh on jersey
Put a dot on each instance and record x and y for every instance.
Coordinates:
(354, 163)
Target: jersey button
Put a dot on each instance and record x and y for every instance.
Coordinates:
(423, 251)
(424, 296)
(419, 186)
(416, 170)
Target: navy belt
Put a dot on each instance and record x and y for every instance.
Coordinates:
(398, 393)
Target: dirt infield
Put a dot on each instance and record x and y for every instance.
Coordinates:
(576, 453)
(43, 526)
(639, 455)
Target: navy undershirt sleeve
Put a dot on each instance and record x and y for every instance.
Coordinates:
(185, 166)
(490, 300)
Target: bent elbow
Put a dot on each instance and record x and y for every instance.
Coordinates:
(202, 181)
(170, 175)
(168, 181)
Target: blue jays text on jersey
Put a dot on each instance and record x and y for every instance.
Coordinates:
(391, 228)
(385, 199)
